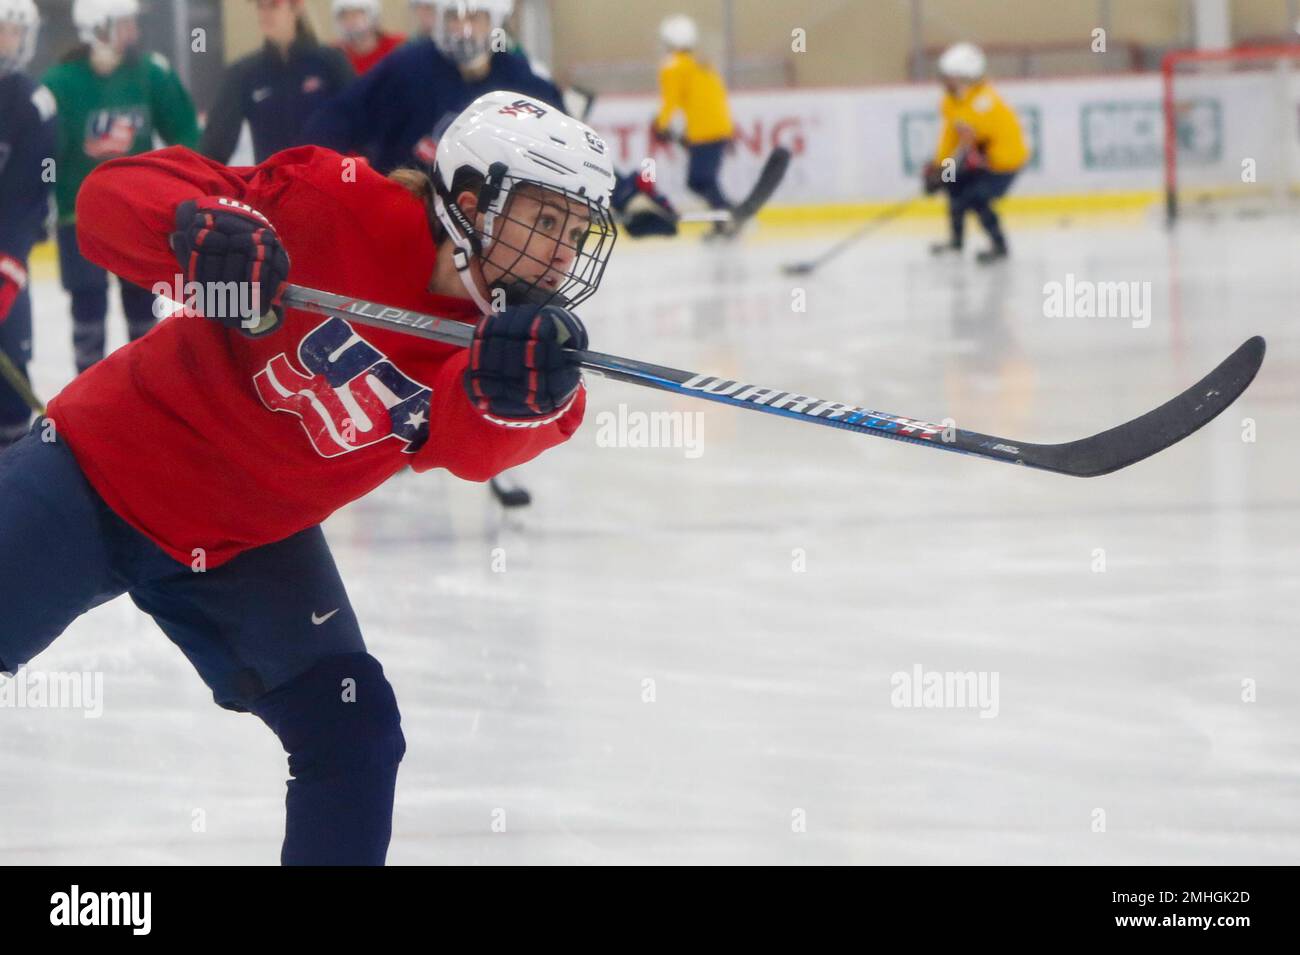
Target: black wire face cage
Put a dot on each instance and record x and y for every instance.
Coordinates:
(552, 243)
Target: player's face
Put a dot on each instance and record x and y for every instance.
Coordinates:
(277, 19)
(538, 238)
(473, 26)
(12, 36)
(425, 17)
(354, 25)
(125, 34)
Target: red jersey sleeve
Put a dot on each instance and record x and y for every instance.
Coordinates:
(474, 446)
(126, 209)
(374, 244)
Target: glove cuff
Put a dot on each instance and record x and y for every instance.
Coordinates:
(536, 422)
(13, 270)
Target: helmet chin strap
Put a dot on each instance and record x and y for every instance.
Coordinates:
(463, 235)
(461, 260)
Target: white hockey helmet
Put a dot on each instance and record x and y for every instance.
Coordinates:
(455, 35)
(369, 7)
(963, 61)
(504, 141)
(678, 32)
(94, 19)
(19, 15)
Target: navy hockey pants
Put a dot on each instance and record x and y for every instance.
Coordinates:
(703, 167)
(271, 632)
(975, 191)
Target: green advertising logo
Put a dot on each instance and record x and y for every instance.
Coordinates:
(1131, 134)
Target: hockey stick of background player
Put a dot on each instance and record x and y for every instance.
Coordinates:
(888, 215)
(769, 178)
(1087, 457)
(706, 215)
(18, 383)
(578, 102)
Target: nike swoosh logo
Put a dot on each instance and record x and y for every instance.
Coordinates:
(317, 621)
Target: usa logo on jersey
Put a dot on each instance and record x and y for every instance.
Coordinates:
(110, 133)
(351, 396)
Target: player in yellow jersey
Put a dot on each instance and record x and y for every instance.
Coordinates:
(981, 148)
(690, 86)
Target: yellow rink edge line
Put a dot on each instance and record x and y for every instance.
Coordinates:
(44, 254)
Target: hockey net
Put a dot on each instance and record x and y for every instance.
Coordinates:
(1232, 130)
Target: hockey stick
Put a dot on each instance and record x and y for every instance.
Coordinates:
(769, 178)
(1087, 457)
(19, 384)
(578, 102)
(706, 215)
(888, 215)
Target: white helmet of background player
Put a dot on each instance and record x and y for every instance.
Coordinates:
(963, 62)
(19, 25)
(515, 152)
(97, 20)
(464, 28)
(353, 33)
(679, 32)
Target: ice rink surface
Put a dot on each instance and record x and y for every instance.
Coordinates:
(676, 658)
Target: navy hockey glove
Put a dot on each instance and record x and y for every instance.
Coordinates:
(220, 240)
(517, 365)
(932, 178)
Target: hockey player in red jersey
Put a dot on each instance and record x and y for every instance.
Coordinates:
(360, 36)
(191, 469)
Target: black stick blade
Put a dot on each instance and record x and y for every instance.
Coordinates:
(1156, 430)
(773, 171)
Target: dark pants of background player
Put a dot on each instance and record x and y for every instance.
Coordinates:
(975, 191)
(704, 163)
(16, 342)
(87, 283)
(271, 632)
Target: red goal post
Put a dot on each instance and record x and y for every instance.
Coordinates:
(1251, 95)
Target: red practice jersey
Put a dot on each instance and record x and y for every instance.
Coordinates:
(361, 62)
(201, 437)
